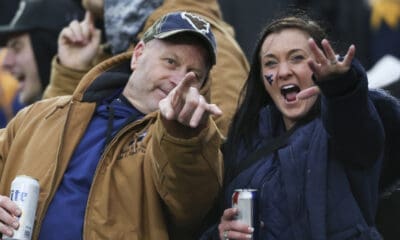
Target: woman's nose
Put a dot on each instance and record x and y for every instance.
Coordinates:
(284, 71)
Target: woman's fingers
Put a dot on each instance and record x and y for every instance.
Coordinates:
(317, 52)
(330, 54)
(351, 52)
(229, 228)
(308, 93)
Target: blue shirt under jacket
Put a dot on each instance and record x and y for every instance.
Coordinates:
(65, 215)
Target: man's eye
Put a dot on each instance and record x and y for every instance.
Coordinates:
(170, 61)
(15, 46)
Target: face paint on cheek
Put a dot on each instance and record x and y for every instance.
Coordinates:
(269, 78)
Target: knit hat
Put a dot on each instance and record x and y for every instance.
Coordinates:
(43, 20)
(50, 15)
(7, 10)
(183, 22)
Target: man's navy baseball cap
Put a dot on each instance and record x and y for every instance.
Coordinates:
(48, 15)
(183, 22)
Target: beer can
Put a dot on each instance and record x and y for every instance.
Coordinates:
(25, 193)
(245, 200)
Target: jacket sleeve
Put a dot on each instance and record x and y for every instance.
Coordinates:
(351, 119)
(389, 110)
(187, 174)
(7, 136)
(63, 80)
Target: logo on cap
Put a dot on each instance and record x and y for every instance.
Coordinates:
(197, 22)
(183, 22)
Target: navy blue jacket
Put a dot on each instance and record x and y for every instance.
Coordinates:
(327, 174)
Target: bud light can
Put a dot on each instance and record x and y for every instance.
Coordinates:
(25, 193)
(245, 200)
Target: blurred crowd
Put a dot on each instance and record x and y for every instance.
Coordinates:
(372, 25)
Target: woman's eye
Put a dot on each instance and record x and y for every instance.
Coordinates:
(269, 63)
(297, 58)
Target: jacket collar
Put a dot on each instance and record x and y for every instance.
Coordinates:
(104, 78)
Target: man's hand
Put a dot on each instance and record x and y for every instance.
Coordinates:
(78, 44)
(9, 212)
(185, 104)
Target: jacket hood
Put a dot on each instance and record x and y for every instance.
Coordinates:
(95, 85)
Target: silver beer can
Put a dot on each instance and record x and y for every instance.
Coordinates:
(245, 200)
(25, 193)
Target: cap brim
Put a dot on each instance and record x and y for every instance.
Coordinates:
(174, 32)
(7, 31)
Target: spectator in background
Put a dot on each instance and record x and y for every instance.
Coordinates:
(125, 22)
(8, 90)
(385, 29)
(347, 20)
(385, 73)
(8, 84)
(31, 39)
(385, 46)
(7, 10)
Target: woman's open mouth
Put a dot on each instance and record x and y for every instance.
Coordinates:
(289, 92)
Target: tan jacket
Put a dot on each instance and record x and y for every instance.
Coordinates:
(159, 187)
(227, 76)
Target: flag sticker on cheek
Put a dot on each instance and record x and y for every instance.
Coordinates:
(269, 78)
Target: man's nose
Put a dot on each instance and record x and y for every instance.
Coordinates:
(177, 76)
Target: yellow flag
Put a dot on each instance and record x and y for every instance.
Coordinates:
(387, 11)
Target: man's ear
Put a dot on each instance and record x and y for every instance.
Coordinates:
(137, 52)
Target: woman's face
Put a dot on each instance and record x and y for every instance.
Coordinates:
(285, 72)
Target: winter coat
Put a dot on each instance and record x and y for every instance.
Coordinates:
(323, 183)
(152, 187)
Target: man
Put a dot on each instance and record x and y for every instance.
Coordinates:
(110, 165)
(31, 39)
(125, 22)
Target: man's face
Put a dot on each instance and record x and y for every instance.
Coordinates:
(158, 66)
(20, 61)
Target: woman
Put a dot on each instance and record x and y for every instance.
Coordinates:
(322, 182)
